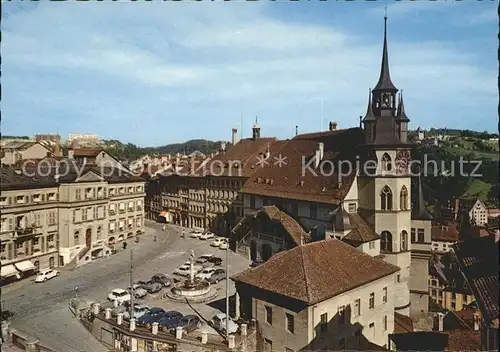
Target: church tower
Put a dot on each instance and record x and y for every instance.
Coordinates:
(384, 180)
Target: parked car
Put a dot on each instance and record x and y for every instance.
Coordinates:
(205, 273)
(224, 244)
(163, 279)
(139, 311)
(215, 260)
(151, 317)
(195, 234)
(207, 236)
(183, 270)
(219, 321)
(139, 291)
(217, 275)
(169, 320)
(217, 241)
(45, 275)
(189, 323)
(151, 286)
(120, 295)
(124, 308)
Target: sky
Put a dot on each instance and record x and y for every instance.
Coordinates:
(154, 73)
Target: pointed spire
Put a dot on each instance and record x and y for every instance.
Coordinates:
(256, 121)
(401, 114)
(384, 81)
(369, 111)
(419, 211)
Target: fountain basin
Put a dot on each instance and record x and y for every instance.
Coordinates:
(193, 291)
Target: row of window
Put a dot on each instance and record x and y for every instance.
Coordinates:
(122, 224)
(386, 201)
(130, 206)
(29, 199)
(89, 214)
(25, 221)
(386, 241)
(341, 313)
(39, 244)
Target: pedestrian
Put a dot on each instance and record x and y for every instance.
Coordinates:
(136, 239)
(154, 239)
(164, 228)
(124, 245)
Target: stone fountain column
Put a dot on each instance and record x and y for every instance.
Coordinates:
(191, 266)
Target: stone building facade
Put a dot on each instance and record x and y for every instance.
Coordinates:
(320, 296)
(51, 217)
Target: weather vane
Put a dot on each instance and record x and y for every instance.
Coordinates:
(385, 8)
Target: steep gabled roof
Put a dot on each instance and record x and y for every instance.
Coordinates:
(316, 271)
(361, 232)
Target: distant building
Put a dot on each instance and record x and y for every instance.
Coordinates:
(48, 137)
(474, 211)
(82, 137)
(22, 150)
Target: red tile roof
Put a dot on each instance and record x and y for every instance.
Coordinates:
(88, 152)
(316, 271)
(292, 180)
(240, 159)
(478, 261)
(448, 234)
(402, 324)
(361, 231)
(292, 227)
(463, 340)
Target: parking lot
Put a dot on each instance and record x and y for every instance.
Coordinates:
(42, 309)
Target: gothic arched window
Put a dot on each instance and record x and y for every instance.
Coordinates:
(404, 240)
(386, 241)
(386, 198)
(386, 162)
(403, 198)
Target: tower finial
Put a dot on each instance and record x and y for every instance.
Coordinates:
(384, 81)
(385, 16)
(256, 122)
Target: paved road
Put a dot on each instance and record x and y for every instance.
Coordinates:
(42, 310)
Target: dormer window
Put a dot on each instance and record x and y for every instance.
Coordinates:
(20, 200)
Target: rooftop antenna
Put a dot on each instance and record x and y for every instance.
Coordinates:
(296, 130)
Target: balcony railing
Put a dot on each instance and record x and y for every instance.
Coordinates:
(28, 231)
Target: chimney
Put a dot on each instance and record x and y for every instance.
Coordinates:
(319, 155)
(223, 147)
(234, 139)
(477, 321)
(57, 150)
(440, 321)
(333, 126)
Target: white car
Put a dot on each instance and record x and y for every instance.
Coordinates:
(217, 242)
(120, 295)
(205, 273)
(224, 244)
(139, 292)
(183, 270)
(219, 321)
(207, 236)
(139, 311)
(195, 234)
(45, 275)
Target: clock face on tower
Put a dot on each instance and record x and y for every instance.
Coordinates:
(403, 160)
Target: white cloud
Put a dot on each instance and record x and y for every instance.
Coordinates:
(207, 62)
